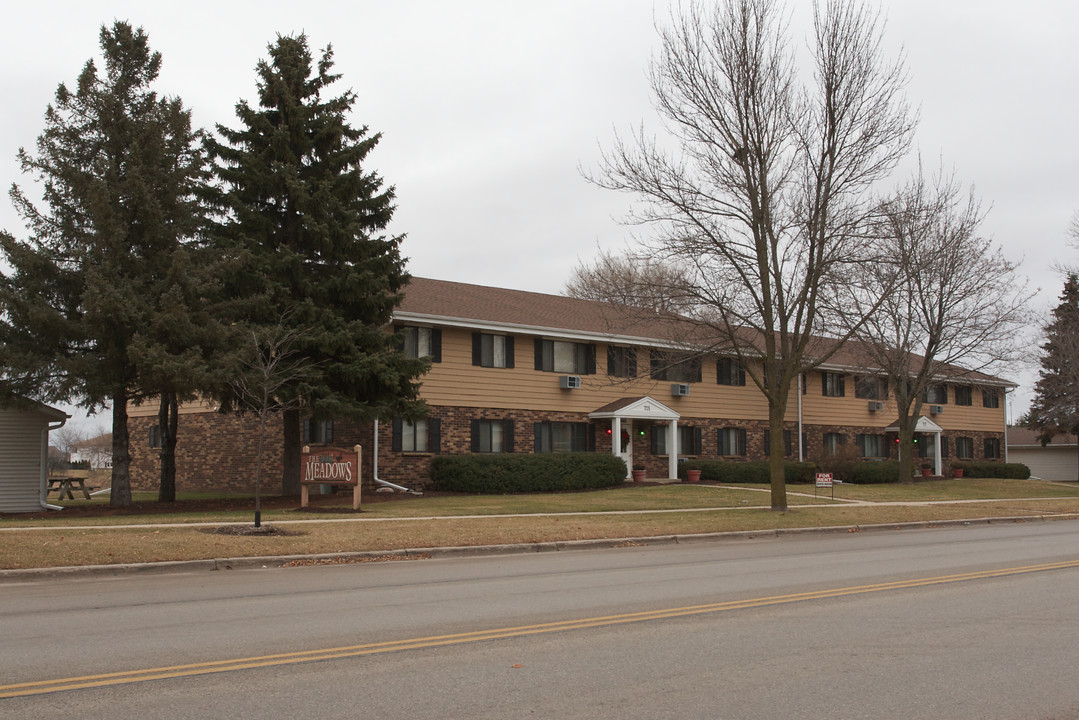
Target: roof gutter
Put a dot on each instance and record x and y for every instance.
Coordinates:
(44, 480)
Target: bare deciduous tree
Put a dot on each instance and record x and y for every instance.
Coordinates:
(764, 204)
(955, 300)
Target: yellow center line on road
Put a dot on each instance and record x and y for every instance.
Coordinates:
(351, 651)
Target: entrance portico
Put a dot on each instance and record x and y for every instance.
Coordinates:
(925, 426)
(622, 414)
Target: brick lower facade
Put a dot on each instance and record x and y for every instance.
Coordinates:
(217, 453)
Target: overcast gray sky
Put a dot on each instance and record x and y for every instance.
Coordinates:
(490, 108)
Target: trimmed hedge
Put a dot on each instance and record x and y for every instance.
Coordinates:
(511, 473)
(1010, 471)
(874, 473)
(752, 472)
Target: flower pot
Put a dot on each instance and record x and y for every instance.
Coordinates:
(925, 472)
(957, 472)
(638, 475)
(693, 475)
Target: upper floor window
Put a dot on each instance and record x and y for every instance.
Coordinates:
(318, 432)
(565, 357)
(990, 398)
(421, 342)
(493, 351)
(621, 361)
(871, 387)
(936, 394)
(833, 384)
(964, 395)
(729, 371)
(675, 366)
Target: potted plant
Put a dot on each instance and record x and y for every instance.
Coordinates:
(638, 473)
(957, 470)
(693, 473)
(927, 469)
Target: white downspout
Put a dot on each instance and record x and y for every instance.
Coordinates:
(374, 469)
(801, 380)
(44, 481)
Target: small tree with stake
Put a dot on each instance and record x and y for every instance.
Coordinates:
(269, 364)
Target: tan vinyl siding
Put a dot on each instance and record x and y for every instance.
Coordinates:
(20, 460)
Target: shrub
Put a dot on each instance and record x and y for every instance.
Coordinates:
(875, 472)
(1011, 471)
(755, 472)
(511, 473)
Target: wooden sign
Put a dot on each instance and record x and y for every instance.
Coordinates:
(330, 466)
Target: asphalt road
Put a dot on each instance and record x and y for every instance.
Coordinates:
(974, 622)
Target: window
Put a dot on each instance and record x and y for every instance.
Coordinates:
(493, 351)
(992, 448)
(155, 436)
(675, 367)
(732, 441)
(565, 357)
(492, 436)
(964, 395)
(936, 394)
(421, 342)
(421, 436)
(873, 446)
(832, 384)
(621, 361)
(564, 437)
(990, 399)
(833, 442)
(964, 448)
(869, 387)
(690, 440)
(730, 372)
(318, 432)
(788, 443)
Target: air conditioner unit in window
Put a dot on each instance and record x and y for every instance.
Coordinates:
(569, 382)
(875, 405)
(935, 409)
(679, 390)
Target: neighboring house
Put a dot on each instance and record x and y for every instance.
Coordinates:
(97, 451)
(516, 371)
(1056, 460)
(24, 451)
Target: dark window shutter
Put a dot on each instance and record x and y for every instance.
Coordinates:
(306, 431)
(842, 386)
(539, 353)
(434, 435)
(590, 360)
(590, 428)
(742, 441)
(436, 345)
(395, 445)
(507, 436)
(788, 447)
(400, 338)
(475, 436)
(824, 383)
(805, 444)
(538, 428)
(654, 439)
(698, 441)
(943, 446)
(477, 349)
(741, 374)
(697, 375)
(610, 359)
(509, 351)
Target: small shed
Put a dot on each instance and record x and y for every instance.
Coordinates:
(1057, 460)
(24, 453)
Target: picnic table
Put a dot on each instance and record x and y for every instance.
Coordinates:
(68, 484)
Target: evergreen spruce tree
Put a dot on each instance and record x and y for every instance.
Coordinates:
(119, 170)
(1055, 410)
(306, 221)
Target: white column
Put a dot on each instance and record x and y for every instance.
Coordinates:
(936, 458)
(672, 449)
(616, 442)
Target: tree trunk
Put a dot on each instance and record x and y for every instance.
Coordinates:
(776, 459)
(290, 454)
(120, 495)
(167, 416)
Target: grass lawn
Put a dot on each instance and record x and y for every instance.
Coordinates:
(398, 524)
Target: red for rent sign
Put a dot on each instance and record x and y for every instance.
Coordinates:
(824, 480)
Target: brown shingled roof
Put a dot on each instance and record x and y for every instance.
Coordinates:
(1022, 436)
